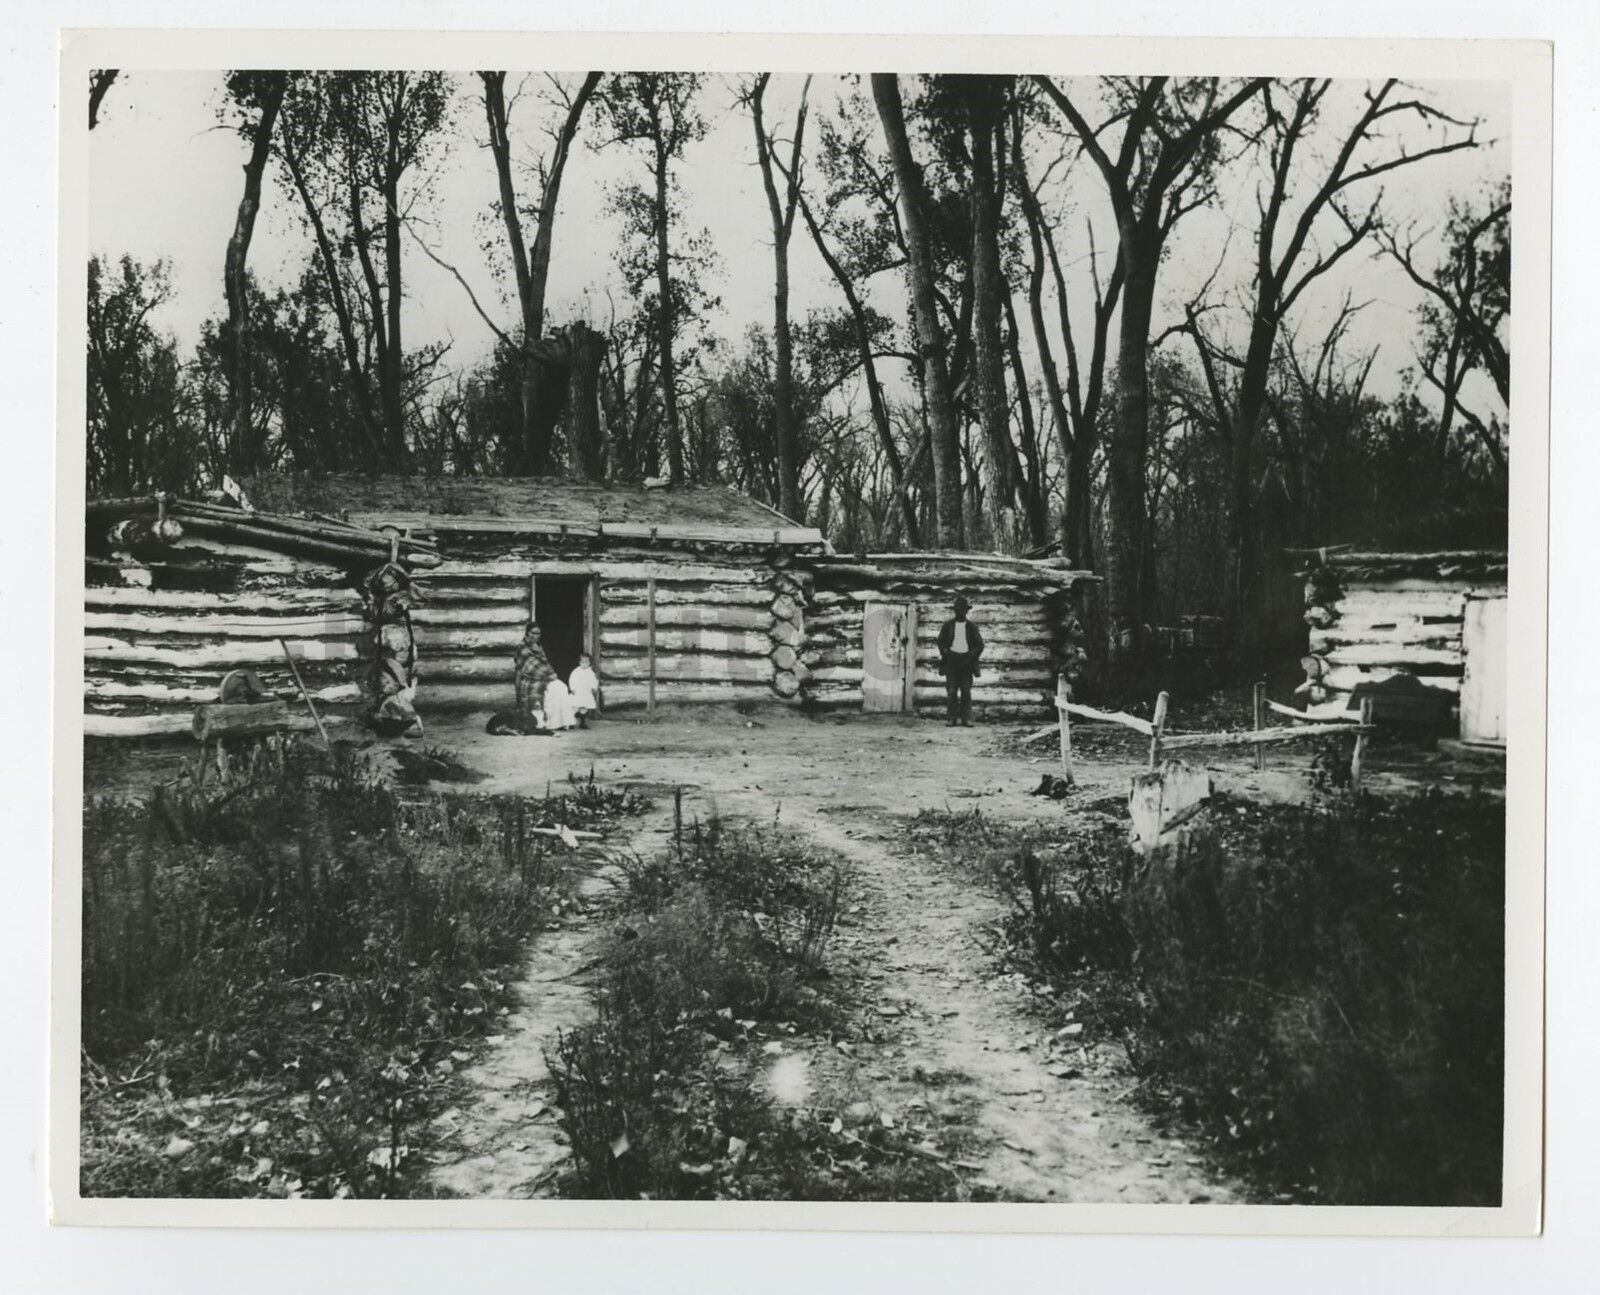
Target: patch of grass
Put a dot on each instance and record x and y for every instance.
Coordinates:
(714, 980)
(1319, 987)
(281, 974)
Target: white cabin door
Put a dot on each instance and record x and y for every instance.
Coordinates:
(1483, 684)
(888, 656)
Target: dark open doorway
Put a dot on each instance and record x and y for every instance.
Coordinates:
(561, 610)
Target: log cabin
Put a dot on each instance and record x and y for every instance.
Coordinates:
(1440, 617)
(680, 594)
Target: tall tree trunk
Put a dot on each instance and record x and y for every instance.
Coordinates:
(984, 97)
(1129, 598)
(584, 434)
(247, 451)
(342, 310)
(1035, 507)
(898, 471)
(942, 418)
(789, 503)
(393, 374)
(1077, 522)
(781, 211)
(665, 325)
(542, 384)
(1245, 573)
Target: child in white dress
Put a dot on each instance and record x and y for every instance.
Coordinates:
(584, 687)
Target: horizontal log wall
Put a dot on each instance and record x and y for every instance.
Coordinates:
(718, 634)
(1367, 629)
(1029, 633)
(729, 623)
(161, 637)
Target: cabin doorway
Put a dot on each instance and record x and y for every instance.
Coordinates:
(563, 609)
(1483, 683)
(888, 656)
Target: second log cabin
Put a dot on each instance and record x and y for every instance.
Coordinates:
(1439, 618)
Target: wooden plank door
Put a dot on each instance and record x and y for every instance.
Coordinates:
(1483, 684)
(888, 656)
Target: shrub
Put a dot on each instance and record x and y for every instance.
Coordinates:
(725, 930)
(305, 945)
(1321, 987)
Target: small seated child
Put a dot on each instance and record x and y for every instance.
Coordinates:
(584, 687)
(558, 706)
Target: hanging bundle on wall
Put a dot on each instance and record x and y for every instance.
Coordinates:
(390, 684)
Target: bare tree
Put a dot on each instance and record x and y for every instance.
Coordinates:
(1161, 171)
(260, 93)
(656, 110)
(863, 324)
(350, 141)
(1074, 405)
(782, 209)
(942, 414)
(1468, 303)
(984, 104)
(1289, 259)
(544, 376)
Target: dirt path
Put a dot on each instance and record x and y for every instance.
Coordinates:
(1046, 1119)
(944, 1042)
(505, 1141)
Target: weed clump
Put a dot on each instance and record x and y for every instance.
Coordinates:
(1320, 987)
(280, 975)
(725, 933)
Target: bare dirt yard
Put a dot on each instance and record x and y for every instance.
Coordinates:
(945, 1041)
(945, 1066)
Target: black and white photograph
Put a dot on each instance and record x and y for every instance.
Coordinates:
(946, 636)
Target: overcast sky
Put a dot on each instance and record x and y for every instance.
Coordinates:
(166, 180)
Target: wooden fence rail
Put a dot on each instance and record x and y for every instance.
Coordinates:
(1161, 742)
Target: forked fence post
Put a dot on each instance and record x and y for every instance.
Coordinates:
(1157, 725)
(1063, 696)
(1259, 700)
(1361, 743)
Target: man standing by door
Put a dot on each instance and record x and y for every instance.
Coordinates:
(960, 645)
